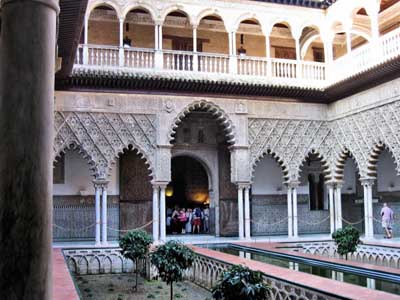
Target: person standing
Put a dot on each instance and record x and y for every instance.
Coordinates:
(189, 218)
(387, 220)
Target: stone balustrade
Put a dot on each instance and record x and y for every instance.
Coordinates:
(290, 72)
(385, 256)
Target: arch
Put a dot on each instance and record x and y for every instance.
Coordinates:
(373, 159)
(72, 146)
(209, 12)
(326, 169)
(95, 4)
(172, 8)
(143, 6)
(132, 147)
(280, 20)
(309, 37)
(215, 110)
(273, 155)
(203, 162)
(247, 16)
(340, 162)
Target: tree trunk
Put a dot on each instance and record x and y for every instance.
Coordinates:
(172, 290)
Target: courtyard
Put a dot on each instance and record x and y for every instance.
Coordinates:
(217, 149)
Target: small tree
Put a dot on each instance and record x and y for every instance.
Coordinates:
(241, 283)
(171, 260)
(135, 246)
(347, 240)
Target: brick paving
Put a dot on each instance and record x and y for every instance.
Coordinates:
(63, 286)
(324, 285)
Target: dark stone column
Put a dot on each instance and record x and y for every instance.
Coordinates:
(27, 62)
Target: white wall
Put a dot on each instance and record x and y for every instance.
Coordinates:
(388, 181)
(268, 178)
(78, 177)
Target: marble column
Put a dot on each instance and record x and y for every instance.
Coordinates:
(247, 221)
(85, 41)
(163, 212)
(295, 219)
(27, 66)
(331, 207)
(338, 206)
(232, 54)
(104, 221)
(240, 212)
(368, 212)
(98, 189)
(156, 213)
(121, 42)
(195, 56)
(290, 212)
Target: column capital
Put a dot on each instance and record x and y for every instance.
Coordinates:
(367, 181)
(243, 185)
(53, 4)
(292, 184)
(100, 183)
(160, 184)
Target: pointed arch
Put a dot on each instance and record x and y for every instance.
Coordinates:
(131, 146)
(277, 158)
(340, 162)
(75, 146)
(218, 113)
(248, 16)
(373, 159)
(326, 168)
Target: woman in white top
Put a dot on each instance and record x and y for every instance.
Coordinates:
(189, 217)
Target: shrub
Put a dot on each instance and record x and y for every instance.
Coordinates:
(135, 246)
(241, 283)
(347, 240)
(171, 260)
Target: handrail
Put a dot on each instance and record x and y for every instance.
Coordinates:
(316, 73)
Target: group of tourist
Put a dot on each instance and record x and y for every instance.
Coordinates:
(187, 221)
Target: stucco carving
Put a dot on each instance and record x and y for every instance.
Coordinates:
(362, 135)
(102, 136)
(215, 110)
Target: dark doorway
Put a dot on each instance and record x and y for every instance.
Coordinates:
(188, 193)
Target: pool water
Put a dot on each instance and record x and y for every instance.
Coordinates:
(372, 280)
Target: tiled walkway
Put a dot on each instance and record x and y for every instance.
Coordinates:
(324, 285)
(63, 286)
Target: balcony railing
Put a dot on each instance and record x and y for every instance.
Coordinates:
(302, 73)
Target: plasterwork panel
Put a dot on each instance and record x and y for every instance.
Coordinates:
(102, 136)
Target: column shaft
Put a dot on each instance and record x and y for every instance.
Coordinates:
(27, 65)
(104, 216)
(348, 41)
(365, 189)
(370, 212)
(338, 207)
(247, 222)
(121, 32)
(160, 37)
(86, 38)
(290, 212)
(295, 219)
(156, 213)
(240, 213)
(98, 214)
(331, 209)
(194, 39)
(156, 39)
(163, 213)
